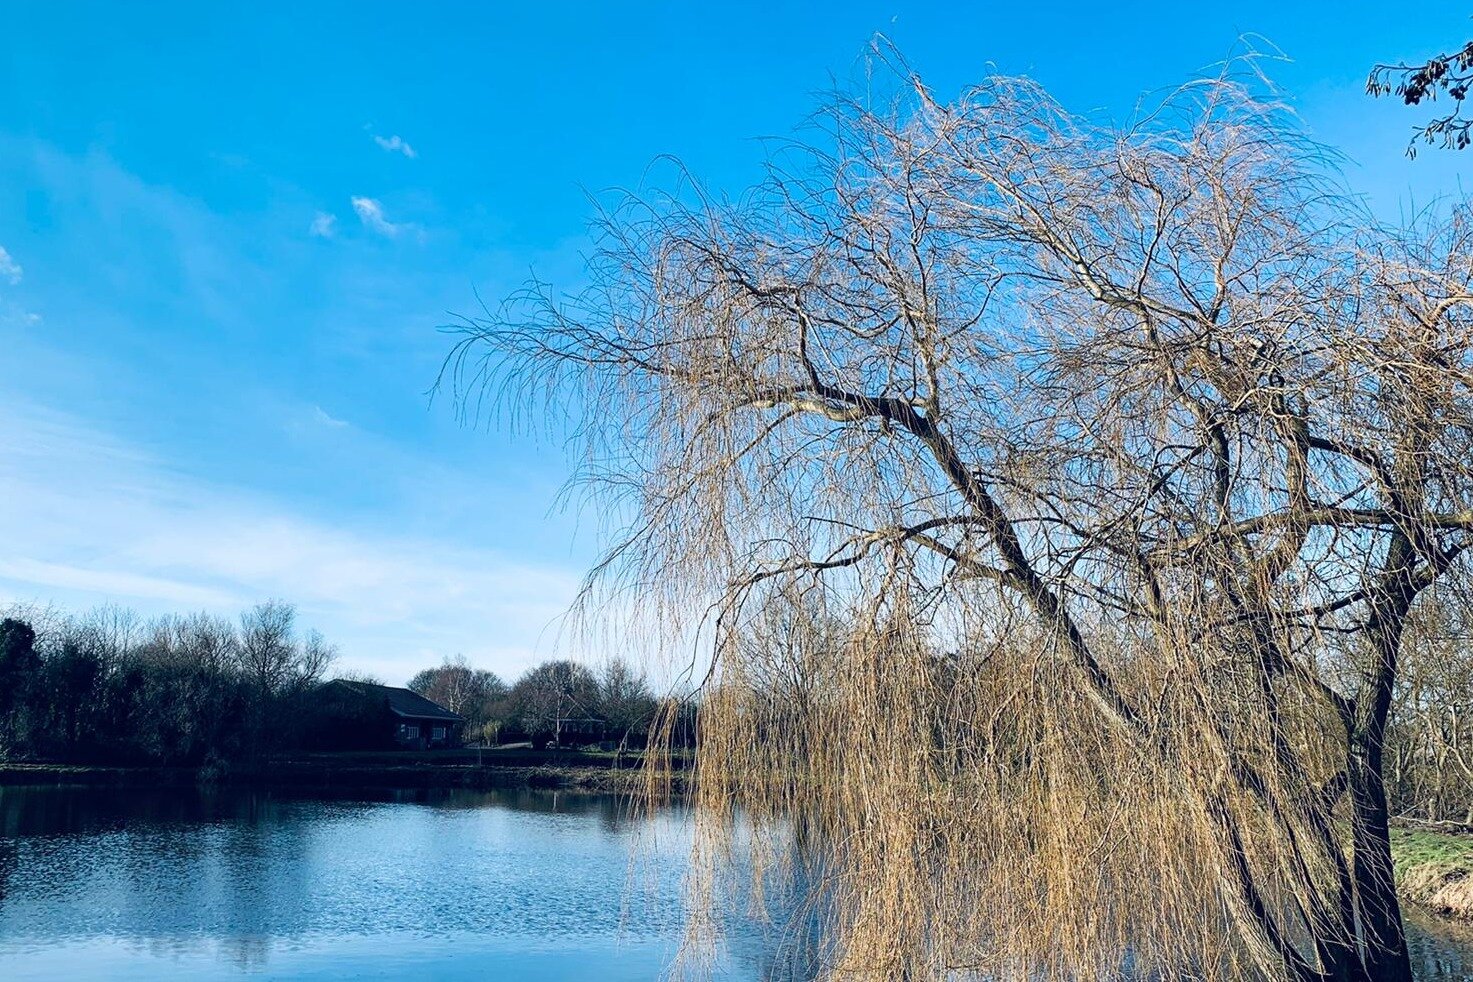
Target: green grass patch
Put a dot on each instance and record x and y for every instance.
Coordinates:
(1415, 848)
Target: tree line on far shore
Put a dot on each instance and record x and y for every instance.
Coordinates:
(196, 689)
(557, 701)
(109, 687)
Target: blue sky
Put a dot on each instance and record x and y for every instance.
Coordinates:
(230, 232)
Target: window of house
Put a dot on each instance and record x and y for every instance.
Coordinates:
(438, 733)
(411, 732)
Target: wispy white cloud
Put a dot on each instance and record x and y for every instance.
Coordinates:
(371, 214)
(10, 270)
(395, 144)
(111, 583)
(92, 519)
(324, 225)
(324, 418)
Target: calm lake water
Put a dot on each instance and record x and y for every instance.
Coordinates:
(107, 884)
(231, 884)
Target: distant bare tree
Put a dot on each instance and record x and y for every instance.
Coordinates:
(793, 651)
(1126, 453)
(625, 701)
(474, 693)
(273, 657)
(267, 649)
(198, 640)
(116, 631)
(279, 667)
(315, 655)
(551, 694)
(453, 684)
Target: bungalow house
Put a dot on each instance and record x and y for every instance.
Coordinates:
(397, 716)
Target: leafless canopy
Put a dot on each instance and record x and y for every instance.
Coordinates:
(1060, 492)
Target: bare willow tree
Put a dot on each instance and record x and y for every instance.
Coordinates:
(1117, 458)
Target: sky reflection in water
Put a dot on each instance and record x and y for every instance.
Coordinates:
(536, 885)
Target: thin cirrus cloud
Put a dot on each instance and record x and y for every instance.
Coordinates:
(111, 583)
(10, 311)
(324, 226)
(395, 144)
(93, 519)
(371, 214)
(10, 270)
(324, 418)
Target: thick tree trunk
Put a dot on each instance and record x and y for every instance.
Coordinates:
(1377, 907)
(1380, 912)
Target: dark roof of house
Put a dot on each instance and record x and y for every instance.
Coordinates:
(402, 702)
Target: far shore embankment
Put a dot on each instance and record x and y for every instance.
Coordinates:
(592, 771)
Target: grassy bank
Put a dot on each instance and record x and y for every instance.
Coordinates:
(1434, 869)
